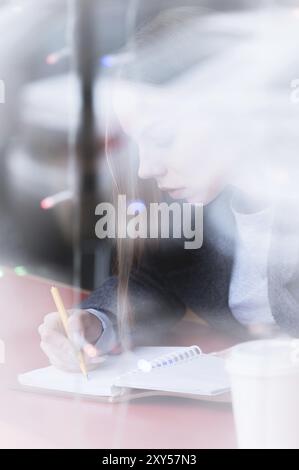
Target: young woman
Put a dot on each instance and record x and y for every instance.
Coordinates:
(202, 138)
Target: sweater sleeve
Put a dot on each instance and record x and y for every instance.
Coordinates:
(155, 307)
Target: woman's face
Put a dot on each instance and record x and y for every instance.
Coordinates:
(176, 144)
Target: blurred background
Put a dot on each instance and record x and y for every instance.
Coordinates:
(55, 57)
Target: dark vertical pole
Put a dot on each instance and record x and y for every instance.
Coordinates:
(85, 148)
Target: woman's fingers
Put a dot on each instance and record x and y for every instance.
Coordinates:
(85, 325)
(58, 347)
(57, 360)
(83, 329)
(51, 322)
(62, 350)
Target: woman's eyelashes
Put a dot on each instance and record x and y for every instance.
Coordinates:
(161, 138)
(164, 142)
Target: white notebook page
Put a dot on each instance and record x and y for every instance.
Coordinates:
(100, 381)
(202, 375)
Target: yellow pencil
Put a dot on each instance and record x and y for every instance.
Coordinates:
(64, 317)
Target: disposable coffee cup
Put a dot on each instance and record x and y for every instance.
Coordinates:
(264, 378)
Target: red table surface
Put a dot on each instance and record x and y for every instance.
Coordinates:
(33, 420)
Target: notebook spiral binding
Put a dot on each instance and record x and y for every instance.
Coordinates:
(188, 354)
(170, 359)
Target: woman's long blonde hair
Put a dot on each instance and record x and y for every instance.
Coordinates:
(172, 28)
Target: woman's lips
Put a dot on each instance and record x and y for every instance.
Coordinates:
(203, 196)
(175, 193)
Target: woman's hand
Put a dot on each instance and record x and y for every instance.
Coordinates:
(84, 330)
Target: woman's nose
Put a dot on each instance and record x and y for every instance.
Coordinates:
(150, 168)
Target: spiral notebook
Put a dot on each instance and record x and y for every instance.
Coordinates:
(180, 371)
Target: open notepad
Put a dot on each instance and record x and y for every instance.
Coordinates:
(183, 371)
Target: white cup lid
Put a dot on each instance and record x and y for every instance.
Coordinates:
(264, 357)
